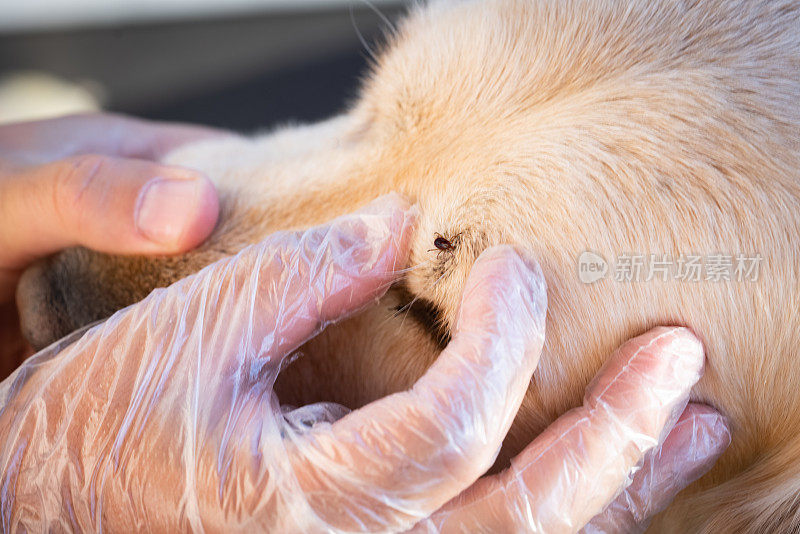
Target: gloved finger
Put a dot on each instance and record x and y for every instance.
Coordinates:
(112, 205)
(398, 459)
(162, 371)
(44, 141)
(695, 443)
(286, 288)
(575, 468)
(308, 279)
(271, 297)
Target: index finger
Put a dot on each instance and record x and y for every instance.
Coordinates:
(396, 460)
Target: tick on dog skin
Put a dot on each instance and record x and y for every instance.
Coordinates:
(443, 244)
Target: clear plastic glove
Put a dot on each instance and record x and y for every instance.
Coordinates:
(699, 437)
(565, 480)
(163, 418)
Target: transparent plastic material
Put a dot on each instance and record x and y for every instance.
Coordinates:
(164, 418)
(611, 464)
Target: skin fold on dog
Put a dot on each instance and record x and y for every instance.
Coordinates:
(666, 127)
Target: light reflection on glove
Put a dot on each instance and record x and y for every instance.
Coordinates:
(164, 418)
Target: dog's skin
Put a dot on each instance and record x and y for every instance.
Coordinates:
(663, 127)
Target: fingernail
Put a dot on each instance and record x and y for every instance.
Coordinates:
(167, 207)
(686, 353)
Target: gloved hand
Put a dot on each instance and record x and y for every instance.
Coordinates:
(164, 416)
(699, 437)
(576, 467)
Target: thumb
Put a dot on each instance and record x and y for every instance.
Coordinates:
(115, 205)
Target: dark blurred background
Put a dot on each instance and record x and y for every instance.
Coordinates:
(243, 68)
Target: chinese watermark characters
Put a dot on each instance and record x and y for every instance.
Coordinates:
(692, 268)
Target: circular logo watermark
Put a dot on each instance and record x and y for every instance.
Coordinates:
(591, 267)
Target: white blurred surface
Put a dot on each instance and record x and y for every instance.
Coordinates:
(19, 15)
(26, 96)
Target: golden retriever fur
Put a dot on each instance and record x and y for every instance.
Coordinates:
(643, 126)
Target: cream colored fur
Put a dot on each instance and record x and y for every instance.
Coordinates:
(649, 126)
